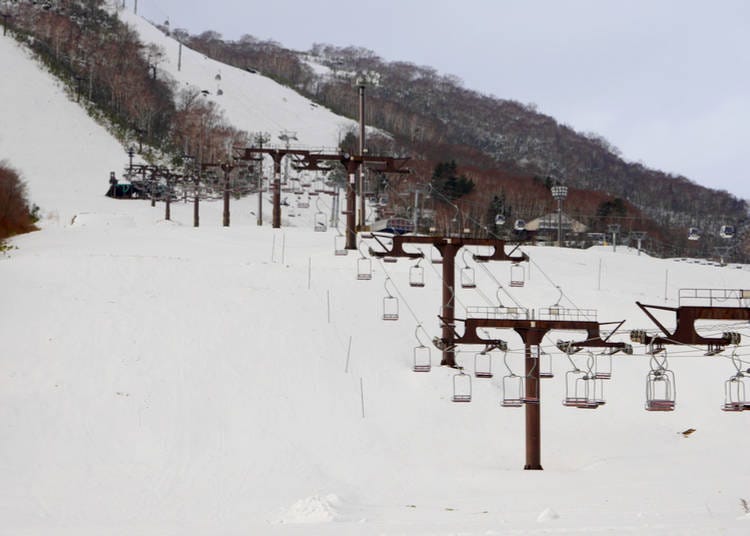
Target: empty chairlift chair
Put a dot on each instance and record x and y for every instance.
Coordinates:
(603, 366)
(660, 390)
(513, 388)
(727, 231)
(339, 245)
(390, 304)
(468, 278)
(461, 387)
(736, 389)
(517, 275)
(416, 275)
(735, 393)
(545, 365)
(364, 265)
(422, 358)
(483, 364)
(576, 389)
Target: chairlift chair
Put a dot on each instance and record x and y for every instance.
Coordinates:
(660, 390)
(364, 265)
(545, 365)
(483, 365)
(603, 366)
(727, 231)
(364, 269)
(416, 276)
(694, 233)
(576, 388)
(517, 275)
(390, 304)
(320, 222)
(468, 279)
(735, 394)
(339, 245)
(499, 219)
(422, 359)
(513, 391)
(461, 387)
(519, 225)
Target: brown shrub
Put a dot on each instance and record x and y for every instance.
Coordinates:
(15, 216)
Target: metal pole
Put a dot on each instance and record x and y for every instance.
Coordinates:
(259, 220)
(167, 205)
(361, 154)
(533, 414)
(196, 201)
(559, 223)
(225, 214)
(179, 57)
(351, 233)
(416, 209)
(276, 191)
(448, 251)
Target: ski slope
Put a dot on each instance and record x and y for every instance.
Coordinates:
(250, 101)
(160, 379)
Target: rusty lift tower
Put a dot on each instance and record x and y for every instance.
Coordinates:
(310, 160)
(531, 330)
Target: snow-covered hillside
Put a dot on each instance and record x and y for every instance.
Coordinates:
(250, 101)
(157, 378)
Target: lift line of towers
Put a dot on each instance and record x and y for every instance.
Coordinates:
(584, 383)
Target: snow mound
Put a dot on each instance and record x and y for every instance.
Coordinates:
(548, 515)
(93, 219)
(314, 509)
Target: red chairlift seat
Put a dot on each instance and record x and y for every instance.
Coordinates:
(660, 390)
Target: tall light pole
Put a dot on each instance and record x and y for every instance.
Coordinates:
(559, 193)
(361, 90)
(639, 236)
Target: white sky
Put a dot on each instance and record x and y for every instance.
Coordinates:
(666, 82)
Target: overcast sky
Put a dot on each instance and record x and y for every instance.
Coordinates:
(665, 81)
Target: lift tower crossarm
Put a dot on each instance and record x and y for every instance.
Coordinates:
(685, 333)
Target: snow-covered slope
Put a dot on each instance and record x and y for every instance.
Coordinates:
(251, 102)
(161, 379)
